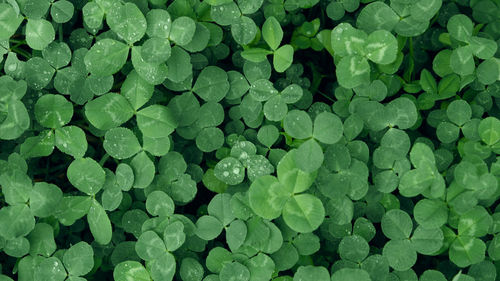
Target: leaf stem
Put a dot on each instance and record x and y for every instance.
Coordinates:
(17, 41)
(411, 62)
(17, 45)
(434, 19)
(325, 95)
(477, 29)
(23, 53)
(316, 77)
(61, 35)
(117, 86)
(103, 160)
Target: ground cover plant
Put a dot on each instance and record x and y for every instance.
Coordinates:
(249, 140)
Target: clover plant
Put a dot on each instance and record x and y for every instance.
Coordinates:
(250, 140)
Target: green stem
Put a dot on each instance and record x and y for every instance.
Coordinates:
(411, 62)
(103, 160)
(401, 80)
(325, 95)
(17, 41)
(434, 19)
(117, 86)
(411, 47)
(317, 77)
(23, 53)
(61, 36)
(17, 45)
(477, 28)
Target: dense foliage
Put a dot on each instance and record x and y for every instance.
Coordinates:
(249, 140)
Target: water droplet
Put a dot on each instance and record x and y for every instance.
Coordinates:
(12, 67)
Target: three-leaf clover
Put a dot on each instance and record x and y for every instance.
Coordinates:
(425, 178)
(460, 28)
(271, 197)
(401, 250)
(272, 33)
(354, 48)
